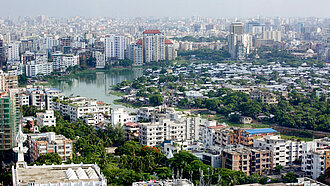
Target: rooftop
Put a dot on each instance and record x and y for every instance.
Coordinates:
(151, 32)
(73, 173)
(261, 131)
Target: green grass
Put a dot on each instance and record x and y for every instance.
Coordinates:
(295, 137)
(180, 109)
(117, 93)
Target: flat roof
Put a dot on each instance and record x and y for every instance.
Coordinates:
(260, 131)
(56, 174)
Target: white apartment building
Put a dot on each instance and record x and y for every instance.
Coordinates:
(36, 98)
(120, 116)
(49, 42)
(207, 132)
(33, 68)
(316, 157)
(114, 47)
(62, 61)
(174, 126)
(222, 137)
(52, 93)
(13, 52)
(283, 152)
(152, 134)
(100, 59)
(91, 111)
(46, 118)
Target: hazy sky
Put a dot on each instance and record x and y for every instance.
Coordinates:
(135, 8)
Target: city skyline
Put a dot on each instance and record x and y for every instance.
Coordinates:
(146, 8)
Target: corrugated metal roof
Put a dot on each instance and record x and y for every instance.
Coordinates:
(260, 131)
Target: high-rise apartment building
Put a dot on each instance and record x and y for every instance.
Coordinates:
(65, 45)
(153, 46)
(27, 45)
(135, 53)
(13, 52)
(272, 35)
(100, 59)
(10, 119)
(236, 28)
(170, 52)
(239, 45)
(2, 52)
(114, 47)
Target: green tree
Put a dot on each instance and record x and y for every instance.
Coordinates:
(156, 99)
(48, 159)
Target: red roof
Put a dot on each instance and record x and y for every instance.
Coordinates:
(139, 42)
(151, 32)
(216, 127)
(168, 42)
(131, 124)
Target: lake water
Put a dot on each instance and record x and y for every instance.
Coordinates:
(97, 85)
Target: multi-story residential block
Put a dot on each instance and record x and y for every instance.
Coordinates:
(283, 152)
(62, 61)
(27, 45)
(153, 46)
(246, 137)
(272, 35)
(247, 160)
(120, 116)
(100, 59)
(315, 157)
(52, 94)
(264, 97)
(239, 45)
(91, 111)
(152, 134)
(2, 52)
(43, 143)
(132, 130)
(65, 45)
(135, 53)
(13, 52)
(33, 68)
(172, 126)
(114, 47)
(170, 51)
(7, 81)
(46, 118)
(36, 97)
(222, 136)
(207, 132)
(9, 122)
